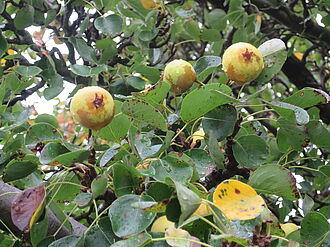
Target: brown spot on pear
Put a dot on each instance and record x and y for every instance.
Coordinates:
(242, 62)
(180, 75)
(93, 107)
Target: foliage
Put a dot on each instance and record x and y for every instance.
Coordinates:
(227, 163)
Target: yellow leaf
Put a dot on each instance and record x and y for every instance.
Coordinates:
(202, 210)
(10, 52)
(289, 227)
(144, 165)
(238, 200)
(259, 18)
(3, 62)
(161, 224)
(197, 136)
(299, 55)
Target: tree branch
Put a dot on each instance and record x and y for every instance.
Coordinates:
(306, 28)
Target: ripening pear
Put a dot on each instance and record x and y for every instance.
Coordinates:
(242, 62)
(93, 107)
(180, 75)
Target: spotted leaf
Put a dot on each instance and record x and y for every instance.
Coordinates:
(238, 200)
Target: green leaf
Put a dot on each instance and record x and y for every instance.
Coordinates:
(266, 180)
(308, 204)
(250, 151)
(206, 65)
(274, 55)
(100, 235)
(127, 185)
(83, 199)
(55, 87)
(173, 166)
(84, 50)
(271, 47)
(159, 191)
(156, 94)
(51, 15)
(19, 120)
(202, 161)
(308, 97)
(136, 82)
(2, 6)
(220, 121)
(87, 71)
(319, 134)
(125, 219)
(202, 100)
(99, 186)
(147, 35)
(107, 156)
(20, 168)
(60, 215)
(67, 159)
(189, 201)
(68, 241)
(136, 240)
(3, 44)
(216, 19)
(215, 152)
(47, 118)
(155, 207)
(118, 128)
(290, 112)
(110, 24)
(145, 112)
(211, 35)
(66, 186)
(152, 73)
(293, 134)
(192, 29)
(41, 132)
(39, 231)
(51, 151)
(184, 11)
(24, 17)
(314, 229)
(144, 146)
(325, 170)
(28, 70)
(137, 7)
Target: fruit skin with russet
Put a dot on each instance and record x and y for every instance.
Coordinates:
(242, 62)
(180, 75)
(93, 107)
(149, 4)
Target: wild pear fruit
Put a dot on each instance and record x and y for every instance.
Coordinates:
(93, 107)
(242, 62)
(180, 75)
